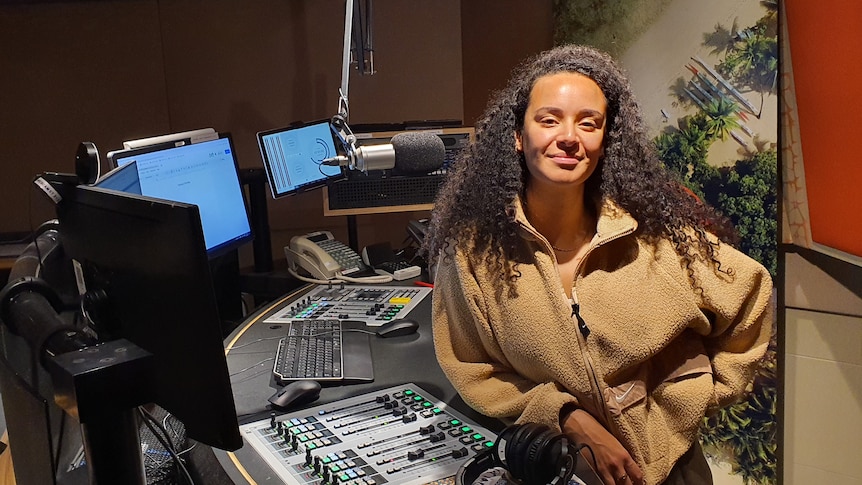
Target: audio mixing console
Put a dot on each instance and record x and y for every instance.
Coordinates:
(372, 305)
(400, 436)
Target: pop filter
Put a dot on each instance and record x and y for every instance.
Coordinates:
(417, 153)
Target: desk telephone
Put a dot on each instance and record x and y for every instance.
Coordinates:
(322, 256)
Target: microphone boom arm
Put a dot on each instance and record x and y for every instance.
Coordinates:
(343, 108)
(339, 121)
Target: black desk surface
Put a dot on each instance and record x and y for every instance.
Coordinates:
(397, 360)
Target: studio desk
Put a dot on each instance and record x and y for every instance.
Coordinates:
(397, 361)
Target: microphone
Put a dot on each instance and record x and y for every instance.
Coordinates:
(409, 153)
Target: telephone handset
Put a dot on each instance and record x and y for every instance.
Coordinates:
(322, 256)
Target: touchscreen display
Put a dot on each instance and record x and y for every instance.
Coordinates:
(293, 157)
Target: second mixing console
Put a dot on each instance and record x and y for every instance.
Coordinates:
(374, 305)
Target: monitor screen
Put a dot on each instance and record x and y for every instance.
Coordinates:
(122, 179)
(144, 263)
(293, 157)
(114, 156)
(204, 174)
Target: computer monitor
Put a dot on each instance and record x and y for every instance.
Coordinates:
(144, 261)
(293, 157)
(203, 173)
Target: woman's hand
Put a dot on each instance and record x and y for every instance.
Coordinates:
(613, 464)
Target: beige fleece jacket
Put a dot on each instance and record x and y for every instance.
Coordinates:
(655, 356)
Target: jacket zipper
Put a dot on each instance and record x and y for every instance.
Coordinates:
(584, 332)
(584, 329)
(582, 325)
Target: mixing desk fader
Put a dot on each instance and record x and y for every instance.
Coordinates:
(374, 305)
(400, 435)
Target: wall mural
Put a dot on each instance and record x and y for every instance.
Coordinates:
(706, 75)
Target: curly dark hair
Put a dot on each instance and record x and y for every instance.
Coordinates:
(475, 205)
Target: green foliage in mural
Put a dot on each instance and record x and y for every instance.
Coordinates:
(722, 117)
(684, 151)
(744, 434)
(748, 196)
(752, 55)
(747, 192)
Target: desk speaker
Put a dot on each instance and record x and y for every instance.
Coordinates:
(384, 192)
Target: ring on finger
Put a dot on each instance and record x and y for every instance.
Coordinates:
(623, 478)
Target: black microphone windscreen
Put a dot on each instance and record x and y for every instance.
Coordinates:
(417, 153)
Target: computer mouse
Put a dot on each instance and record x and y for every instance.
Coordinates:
(295, 394)
(398, 328)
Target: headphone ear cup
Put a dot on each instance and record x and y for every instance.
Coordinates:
(555, 464)
(518, 449)
(566, 459)
(470, 470)
(501, 443)
(537, 464)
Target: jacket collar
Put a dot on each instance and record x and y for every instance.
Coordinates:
(614, 221)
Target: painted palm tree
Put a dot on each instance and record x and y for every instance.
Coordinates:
(694, 139)
(722, 117)
(753, 61)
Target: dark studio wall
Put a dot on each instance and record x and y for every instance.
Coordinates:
(108, 71)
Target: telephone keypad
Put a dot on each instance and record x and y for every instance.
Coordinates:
(347, 258)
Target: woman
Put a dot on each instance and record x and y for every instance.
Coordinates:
(580, 286)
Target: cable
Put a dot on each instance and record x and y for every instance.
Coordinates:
(367, 279)
(152, 424)
(229, 348)
(252, 366)
(307, 279)
(584, 445)
(176, 433)
(156, 460)
(251, 376)
(147, 416)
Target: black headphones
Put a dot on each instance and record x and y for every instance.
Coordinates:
(533, 454)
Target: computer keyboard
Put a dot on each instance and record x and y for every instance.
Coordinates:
(320, 350)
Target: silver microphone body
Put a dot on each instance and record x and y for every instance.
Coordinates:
(365, 158)
(410, 153)
(374, 157)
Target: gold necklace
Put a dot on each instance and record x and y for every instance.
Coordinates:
(584, 239)
(587, 235)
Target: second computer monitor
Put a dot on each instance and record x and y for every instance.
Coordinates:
(203, 173)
